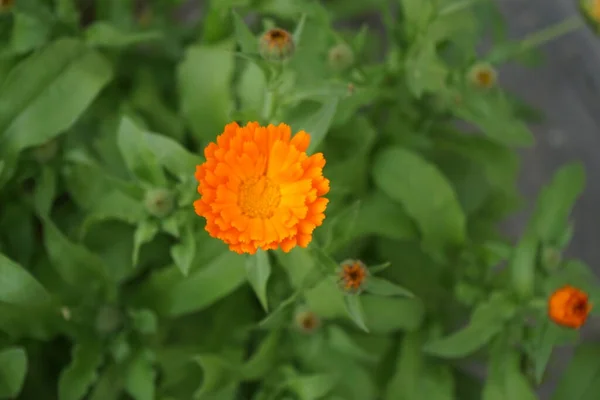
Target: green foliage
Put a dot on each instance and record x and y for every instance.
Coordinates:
(111, 288)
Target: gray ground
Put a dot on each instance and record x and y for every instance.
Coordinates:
(567, 89)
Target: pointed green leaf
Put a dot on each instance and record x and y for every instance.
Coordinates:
(505, 380)
(103, 34)
(312, 387)
(46, 93)
(297, 35)
(355, 311)
(204, 80)
(13, 368)
(339, 229)
(184, 252)
(140, 377)
(264, 359)
(144, 321)
(244, 37)
(144, 233)
(382, 287)
(581, 381)
(258, 271)
(76, 379)
(316, 123)
(487, 320)
(28, 33)
(113, 205)
(424, 192)
(425, 71)
(218, 373)
(45, 191)
(385, 315)
(173, 156)
(18, 287)
(138, 156)
(379, 215)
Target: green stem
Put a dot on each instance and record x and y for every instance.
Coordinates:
(552, 32)
(456, 7)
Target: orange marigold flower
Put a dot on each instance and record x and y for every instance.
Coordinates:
(259, 189)
(569, 306)
(353, 274)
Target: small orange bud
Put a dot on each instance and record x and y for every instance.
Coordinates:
(353, 274)
(483, 76)
(569, 306)
(276, 45)
(307, 321)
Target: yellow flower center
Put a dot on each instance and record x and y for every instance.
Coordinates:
(259, 197)
(484, 77)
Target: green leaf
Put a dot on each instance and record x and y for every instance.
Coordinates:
(556, 201)
(381, 216)
(316, 123)
(258, 271)
(581, 381)
(252, 88)
(417, 13)
(218, 374)
(424, 192)
(339, 229)
(204, 286)
(382, 287)
(75, 264)
(264, 359)
(76, 379)
(386, 315)
(46, 93)
(548, 336)
(487, 320)
(425, 72)
(28, 33)
(521, 266)
(404, 382)
(140, 377)
(144, 321)
(204, 80)
(144, 233)
(493, 114)
(103, 34)
(312, 387)
(138, 156)
(173, 156)
(505, 380)
(18, 287)
(13, 368)
(355, 311)
(244, 37)
(113, 205)
(45, 191)
(184, 252)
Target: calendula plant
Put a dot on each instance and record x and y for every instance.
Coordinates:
(250, 199)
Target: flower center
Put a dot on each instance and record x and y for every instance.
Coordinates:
(580, 307)
(259, 197)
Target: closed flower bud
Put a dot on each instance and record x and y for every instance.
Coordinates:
(591, 13)
(550, 258)
(159, 202)
(341, 57)
(569, 307)
(276, 45)
(307, 321)
(483, 76)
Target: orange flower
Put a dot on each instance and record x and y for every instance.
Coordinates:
(259, 189)
(569, 306)
(353, 274)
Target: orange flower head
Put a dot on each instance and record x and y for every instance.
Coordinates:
(483, 76)
(307, 321)
(569, 306)
(353, 274)
(260, 190)
(276, 45)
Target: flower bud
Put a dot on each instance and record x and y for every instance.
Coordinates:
(550, 258)
(483, 76)
(591, 13)
(159, 202)
(341, 57)
(353, 275)
(307, 321)
(276, 45)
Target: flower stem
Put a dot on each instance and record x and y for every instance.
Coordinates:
(456, 7)
(552, 32)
